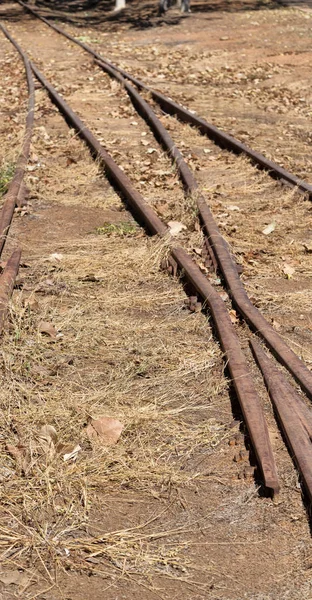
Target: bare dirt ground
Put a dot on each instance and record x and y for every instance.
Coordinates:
(171, 510)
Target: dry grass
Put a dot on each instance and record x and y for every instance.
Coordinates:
(127, 348)
(137, 356)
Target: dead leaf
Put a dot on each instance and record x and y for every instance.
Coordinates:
(48, 329)
(269, 228)
(276, 325)
(288, 270)
(31, 302)
(72, 452)
(48, 439)
(56, 257)
(105, 430)
(20, 455)
(233, 207)
(175, 227)
(48, 432)
(233, 316)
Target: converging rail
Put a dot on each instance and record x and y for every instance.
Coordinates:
(229, 270)
(217, 135)
(284, 397)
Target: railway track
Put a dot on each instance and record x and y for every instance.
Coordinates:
(293, 414)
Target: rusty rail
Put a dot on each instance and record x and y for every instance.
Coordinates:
(217, 135)
(7, 281)
(16, 188)
(220, 248)
(236, 361)
(136, 201)
(294, 416)
(229, 270)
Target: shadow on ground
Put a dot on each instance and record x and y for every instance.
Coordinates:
(141, 15)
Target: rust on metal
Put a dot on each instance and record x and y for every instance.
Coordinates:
(247, 394)
(221, 251)
(7, 280)
(217, 135)
(242, 303)
(16, 189)
(209, 256)
(294, 416)
(134, 198)
(238, 368)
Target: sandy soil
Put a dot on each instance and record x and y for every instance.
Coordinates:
(172, 510)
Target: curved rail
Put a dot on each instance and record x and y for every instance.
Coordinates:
(16, 188)
(217, 135)
(228, 267)
(292, 415)
(236, 361)
(7, 281)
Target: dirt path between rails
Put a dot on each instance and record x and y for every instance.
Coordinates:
(171, 510)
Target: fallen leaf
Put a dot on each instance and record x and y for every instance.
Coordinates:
(288, 270)
(48, 329)
(48, 439)
(105, 429)
(21, 456)
(233, 316)
(72, 453)
(276, 325)
(56, 257)
(175, 227)
(48, 432)
(233, 207)
(269, 228)
(31, 302)
(198, 251)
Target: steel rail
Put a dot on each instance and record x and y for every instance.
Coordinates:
(7, 281)
(228, 267)
(229, 270)
(217, 135)
(235, 359)
(294, 423)
(16, 189)
(134, 198)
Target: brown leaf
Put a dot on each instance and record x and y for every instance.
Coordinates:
(31, 302)
(105, 430)
(48, 329)
(233, 316)
(48, 439)
(21, 456)
(71, 452)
